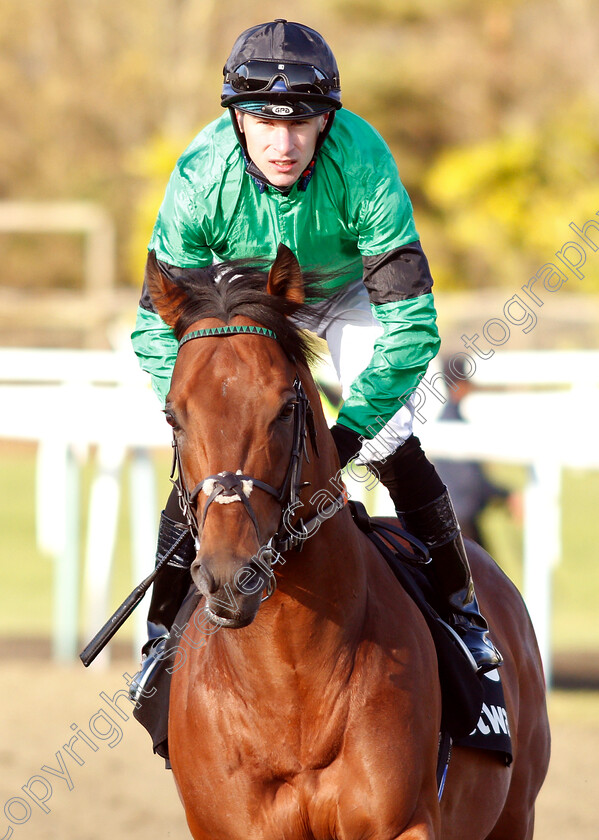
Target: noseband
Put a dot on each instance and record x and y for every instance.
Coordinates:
(231, 487)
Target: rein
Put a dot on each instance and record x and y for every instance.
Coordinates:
(227, 486)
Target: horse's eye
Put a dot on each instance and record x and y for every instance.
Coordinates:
(170, 418)
(287, 413)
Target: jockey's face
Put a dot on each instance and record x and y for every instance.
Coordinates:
(281, 149)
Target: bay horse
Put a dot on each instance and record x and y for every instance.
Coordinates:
(313, 714)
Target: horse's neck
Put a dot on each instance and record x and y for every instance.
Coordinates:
(328, 574)
(313, 624)
(330, 569)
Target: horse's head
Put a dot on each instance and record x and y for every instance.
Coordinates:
(241, 419)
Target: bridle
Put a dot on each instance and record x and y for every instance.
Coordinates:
(229, 486)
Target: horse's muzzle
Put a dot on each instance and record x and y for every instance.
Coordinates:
(203, 579)
(230, 622)
(226, 604)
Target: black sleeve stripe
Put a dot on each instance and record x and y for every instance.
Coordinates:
(398, 274)
(145, 301)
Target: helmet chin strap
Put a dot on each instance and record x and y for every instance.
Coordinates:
(259, 177)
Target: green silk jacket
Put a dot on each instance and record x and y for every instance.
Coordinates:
(353, 219)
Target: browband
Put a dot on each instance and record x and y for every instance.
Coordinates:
(230, 330)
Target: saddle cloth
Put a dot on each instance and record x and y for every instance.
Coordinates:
(492, 731)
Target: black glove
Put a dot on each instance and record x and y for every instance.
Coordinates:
(347, 441)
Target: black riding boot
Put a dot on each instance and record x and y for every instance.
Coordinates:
(436, 525)
(422, 501)
(168, 592)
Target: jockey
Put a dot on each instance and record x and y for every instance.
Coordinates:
(286, 164)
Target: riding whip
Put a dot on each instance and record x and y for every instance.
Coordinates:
(122, 613)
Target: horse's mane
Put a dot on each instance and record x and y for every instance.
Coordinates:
(227, 290)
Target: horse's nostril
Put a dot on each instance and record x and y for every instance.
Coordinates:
(204, 580)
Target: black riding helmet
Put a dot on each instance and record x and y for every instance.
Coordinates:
(283, 70)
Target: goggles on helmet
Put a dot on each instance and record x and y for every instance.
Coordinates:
(258, 75)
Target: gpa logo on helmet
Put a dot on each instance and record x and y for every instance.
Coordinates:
(281, 110)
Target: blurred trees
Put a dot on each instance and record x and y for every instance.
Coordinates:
(83, 87)
(491, 110)
(506, 201)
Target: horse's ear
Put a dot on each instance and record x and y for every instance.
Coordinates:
(285, 276)
(166, 296)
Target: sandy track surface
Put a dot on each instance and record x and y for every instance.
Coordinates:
(120, 790)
